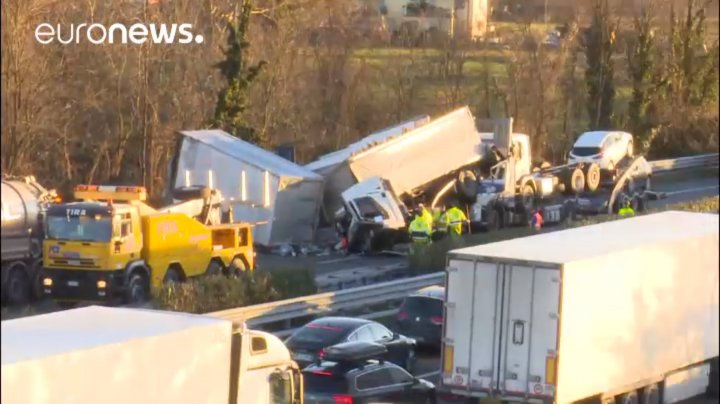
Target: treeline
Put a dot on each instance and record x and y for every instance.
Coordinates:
(314, 73)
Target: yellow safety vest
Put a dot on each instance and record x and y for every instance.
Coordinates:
(626, 212)
(420, 230)
(427, 216)
(455, 220)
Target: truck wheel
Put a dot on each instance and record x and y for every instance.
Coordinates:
(172, 276)
(527, 195)
(651, 394)
(38, 290)
(495, 220)
(214, 268)
(236, 267)
(592, 177)
(577, 181)
(138, 289)
(18, 287)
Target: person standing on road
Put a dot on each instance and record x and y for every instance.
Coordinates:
(626, 210)
(439, 223)
(455, 219)
(536, 222)
(420, 232)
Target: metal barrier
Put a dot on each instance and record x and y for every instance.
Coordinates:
(682, 163)
(323, 303)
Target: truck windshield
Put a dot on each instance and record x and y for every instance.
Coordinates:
(79, 228)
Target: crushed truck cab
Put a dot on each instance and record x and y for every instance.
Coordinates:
(101, 251)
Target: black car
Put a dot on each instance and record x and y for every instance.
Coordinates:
(308, 344)
(420, 316)
(350, 374)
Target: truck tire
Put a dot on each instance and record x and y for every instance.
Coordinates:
(496, 218)
(527, 197)
(138, 288)
(575, 181)
(172, 276)
(214, 268)
(466, 186)
(192, 192)
(592, 177)
(236, 267)
(38, 291)
(18, 285)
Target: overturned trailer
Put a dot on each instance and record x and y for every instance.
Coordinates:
(336, 167)
(281, 198)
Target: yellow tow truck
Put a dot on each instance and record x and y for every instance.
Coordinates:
(100, 251)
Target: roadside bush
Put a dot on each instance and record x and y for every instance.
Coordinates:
(696, 136)
(432, 258)
(213, 293)
(293, 282)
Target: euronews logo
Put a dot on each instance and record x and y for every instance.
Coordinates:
(98, 34)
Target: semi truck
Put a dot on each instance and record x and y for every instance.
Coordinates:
(98, 250)
(622, 311)
(502, 187)
(24, 202)
(511, 187)
(401, 166)
(116, 355)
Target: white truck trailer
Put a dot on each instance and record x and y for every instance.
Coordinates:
(624, 310)
(121, 356)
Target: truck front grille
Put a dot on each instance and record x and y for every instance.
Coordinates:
(76, 263)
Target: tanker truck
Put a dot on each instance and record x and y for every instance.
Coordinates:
(24, 202)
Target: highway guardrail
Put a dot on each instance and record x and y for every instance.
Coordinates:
(284, 310)
(682, 163)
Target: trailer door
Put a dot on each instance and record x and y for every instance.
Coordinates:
(528, 342)
(471, 327)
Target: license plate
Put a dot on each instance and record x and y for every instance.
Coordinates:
(73, 283)
(303, 357)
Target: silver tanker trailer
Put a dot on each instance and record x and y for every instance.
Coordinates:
(24, 202)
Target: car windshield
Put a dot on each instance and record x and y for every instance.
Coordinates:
(423, 305)
(319, 334)
(324, 382)
(585, 151)
(79, 228)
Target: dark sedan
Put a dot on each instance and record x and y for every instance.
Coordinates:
(347, 375)
(308, 344)
(421, 316)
